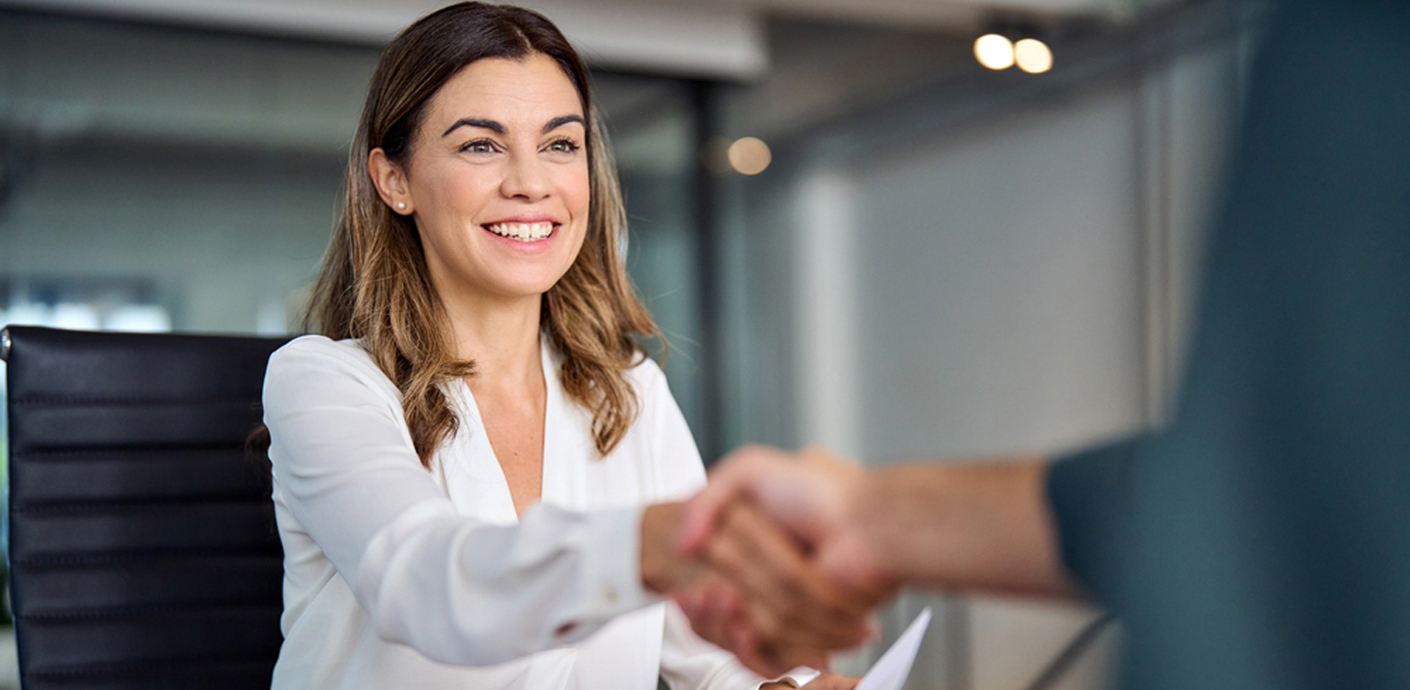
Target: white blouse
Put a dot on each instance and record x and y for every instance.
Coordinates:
(399, 577)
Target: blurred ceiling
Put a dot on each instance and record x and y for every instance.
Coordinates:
(706, 38)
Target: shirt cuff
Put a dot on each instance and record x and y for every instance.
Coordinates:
(798, 677)
(748, 680)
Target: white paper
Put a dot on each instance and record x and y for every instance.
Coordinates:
(892, 669)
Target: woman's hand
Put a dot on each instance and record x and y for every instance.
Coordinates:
(783, 532)
(663, 569)
(787, 612)
(826, 681)
(752, 590)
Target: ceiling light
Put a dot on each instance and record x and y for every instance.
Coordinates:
(994, 51)
(1033, 56)
(749, 156)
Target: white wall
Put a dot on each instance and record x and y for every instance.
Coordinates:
(997, 303)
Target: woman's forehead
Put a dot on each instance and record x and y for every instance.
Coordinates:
(515, 92)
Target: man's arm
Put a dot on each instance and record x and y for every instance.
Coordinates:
(985, 526)
(981, 527)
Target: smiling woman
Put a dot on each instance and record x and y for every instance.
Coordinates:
(435, 144)
(460, 460)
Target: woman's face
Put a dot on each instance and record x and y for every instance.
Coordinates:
(498, 179)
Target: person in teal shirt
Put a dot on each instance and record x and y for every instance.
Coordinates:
(1261, 541)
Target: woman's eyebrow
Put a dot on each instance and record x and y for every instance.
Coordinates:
(557, 122)
(491, 125)
(498, 128)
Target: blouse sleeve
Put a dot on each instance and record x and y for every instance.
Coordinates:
(687, 661)
(458, 590)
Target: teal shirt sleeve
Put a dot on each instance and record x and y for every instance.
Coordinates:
(1089, 492)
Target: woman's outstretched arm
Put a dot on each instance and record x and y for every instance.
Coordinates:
(348, 484)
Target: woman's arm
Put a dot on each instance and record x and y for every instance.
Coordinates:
(456, 589)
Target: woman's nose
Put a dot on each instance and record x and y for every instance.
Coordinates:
(526, 178)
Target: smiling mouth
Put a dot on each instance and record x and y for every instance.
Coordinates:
(523, 232)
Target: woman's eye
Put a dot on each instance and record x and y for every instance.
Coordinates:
(563, 146)
(478, 146)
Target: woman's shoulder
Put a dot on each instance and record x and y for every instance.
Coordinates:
(318, 347)
(646, 376)
(316, 353)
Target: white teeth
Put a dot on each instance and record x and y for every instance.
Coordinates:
(524, 232)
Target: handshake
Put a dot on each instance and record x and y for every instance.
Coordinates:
(769, 561)
(783, 557)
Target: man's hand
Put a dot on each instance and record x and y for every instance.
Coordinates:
(815, 497)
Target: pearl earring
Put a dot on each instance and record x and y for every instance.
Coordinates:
(401, 205)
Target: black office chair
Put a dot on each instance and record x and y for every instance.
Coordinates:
(143, 551)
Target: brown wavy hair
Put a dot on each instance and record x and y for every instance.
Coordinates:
(375, 286)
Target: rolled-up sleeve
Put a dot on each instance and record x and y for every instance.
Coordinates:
(456, 589)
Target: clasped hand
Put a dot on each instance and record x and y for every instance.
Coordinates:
(766, 562)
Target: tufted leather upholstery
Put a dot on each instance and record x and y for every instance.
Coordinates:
(143, 551)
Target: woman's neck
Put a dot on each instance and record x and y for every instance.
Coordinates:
(502, 337)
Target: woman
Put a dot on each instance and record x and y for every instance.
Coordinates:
(479, 353)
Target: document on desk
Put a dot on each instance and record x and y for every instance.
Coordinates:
(892, 669)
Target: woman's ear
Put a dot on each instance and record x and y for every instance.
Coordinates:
(390, 180)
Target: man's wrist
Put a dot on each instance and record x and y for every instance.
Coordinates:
(879, 563)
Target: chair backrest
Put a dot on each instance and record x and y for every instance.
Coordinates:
(143, 550)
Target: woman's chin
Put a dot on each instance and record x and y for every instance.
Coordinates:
(523, 287)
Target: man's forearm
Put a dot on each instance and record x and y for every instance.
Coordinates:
(977, 527)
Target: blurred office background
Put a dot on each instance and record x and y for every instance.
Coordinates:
(852, 232)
